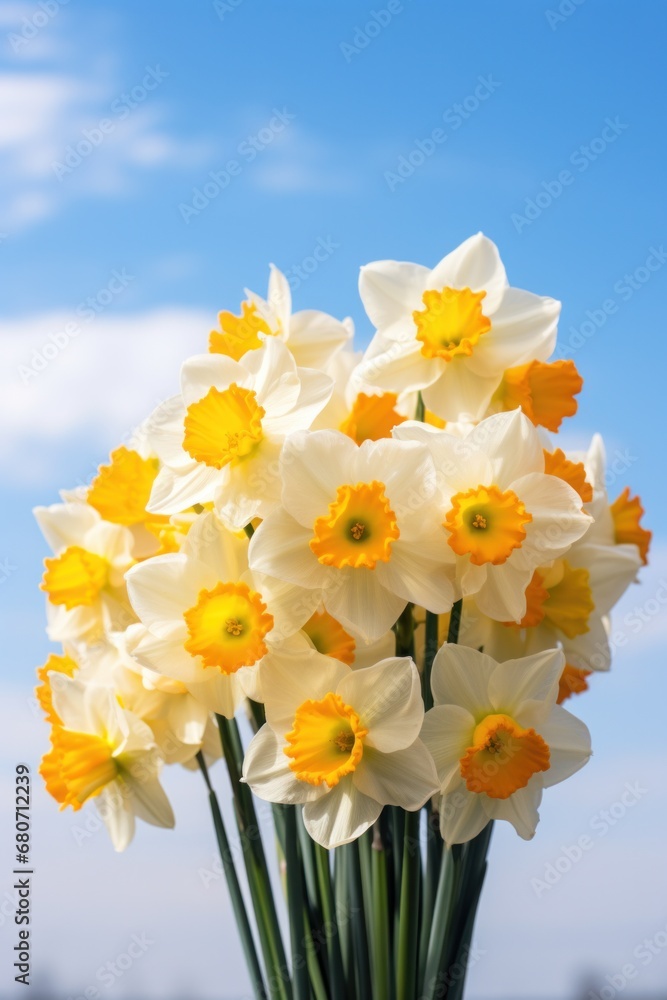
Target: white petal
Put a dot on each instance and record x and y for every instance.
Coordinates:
(523, 329)
(340, 816)
(173, 492)
(569, 743)
(475, 264)
(390, 289)
(387, 698)
(113, 805)
(447, 733)
(558, 519)
(163, 588)
(359, 600)
(315, 392)
(406, 778)
(209, 542)
(221, 693)
(397, 366)
(280, 548)
(612, 569)
(503, 595)
(266, 769)
(151, 803)
(279, 294)
(203, 371)
(297, 675)
(530, 678)
(462, 815)
(520, 809)
(423, 574)
(314, 337)
(512, 444)
(313, 465)
(461, 676)
(274, 377)
(65, 524)
(459, 393)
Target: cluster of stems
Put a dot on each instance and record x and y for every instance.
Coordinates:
(387, 917)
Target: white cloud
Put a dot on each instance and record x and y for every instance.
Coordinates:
(96, 386)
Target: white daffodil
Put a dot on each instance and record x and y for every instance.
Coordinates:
(208, 621)
(101, 751)
(358, 527)
(498, 738)
(84, 581)
(220, 440)
(452, 331)
(342, 742)
(501, 515)
(312, 337)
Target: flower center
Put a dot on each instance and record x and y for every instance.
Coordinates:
(239, 333)
(372, 417)
(77, 767)
(503, 757)
(227, 627)
(120, 491)
(326, 741)
(329, 637)
(75, 578)
(358, 530)
(570, 602)
(627, 513)
(224, 426)
(451, 323)
(487, 524)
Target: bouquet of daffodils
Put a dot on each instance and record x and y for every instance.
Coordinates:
(384, 566)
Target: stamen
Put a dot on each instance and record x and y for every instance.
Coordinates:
(344, 741)
(234, 626)
(479, 521)
(357, 530)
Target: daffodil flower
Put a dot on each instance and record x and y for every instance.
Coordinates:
(313, 337)
(209, 621)
(357, 527)
(498, 738)
(501, 515)
(452, 331)
(220, 440)
(100, 751)
(84, 581)
(343, 743)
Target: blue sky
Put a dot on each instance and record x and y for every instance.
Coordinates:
(372, 131)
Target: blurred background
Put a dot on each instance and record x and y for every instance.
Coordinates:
(155, 158)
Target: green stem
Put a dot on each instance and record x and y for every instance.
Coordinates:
(249, 530)
(358, 920)
(259, 880)
(381, 962)
(430, 649)
(434, 847)
(455, 621)
(295, 907)
(330, 923)
(449, 874)
(341, 859)
(238, 904)
(406, 973)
